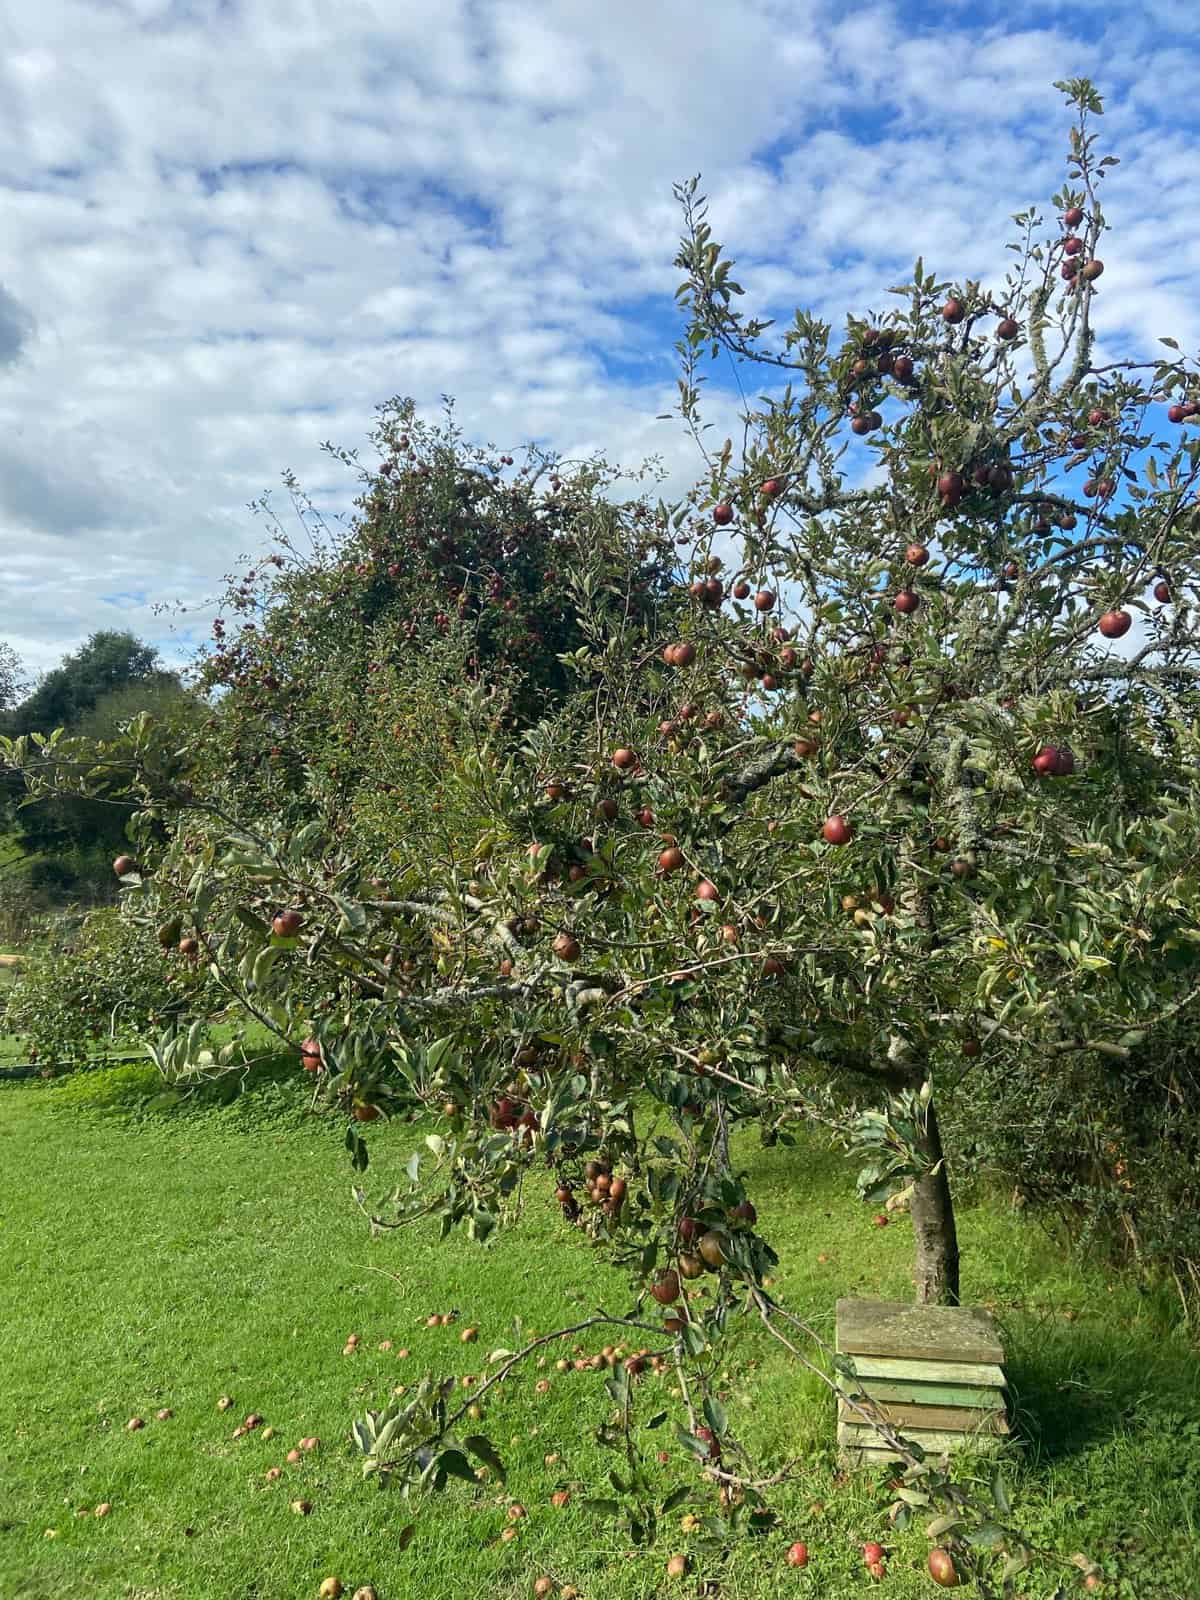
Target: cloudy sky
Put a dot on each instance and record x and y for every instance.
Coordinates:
(233, 229)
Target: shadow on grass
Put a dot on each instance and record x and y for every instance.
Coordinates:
(1078, 1385)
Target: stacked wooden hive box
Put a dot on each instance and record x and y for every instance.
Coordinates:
(935, 1373)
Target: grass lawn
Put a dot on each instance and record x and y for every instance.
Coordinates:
(151, 1260)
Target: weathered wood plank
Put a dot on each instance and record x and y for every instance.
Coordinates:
(933, 1394)
(961, 1334)
(866, 1439)
(949, 1419)
(979, 1374)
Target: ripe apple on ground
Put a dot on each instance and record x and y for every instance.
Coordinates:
(942, 1569)
(797, 1555)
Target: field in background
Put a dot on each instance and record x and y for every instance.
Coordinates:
(150, 1260)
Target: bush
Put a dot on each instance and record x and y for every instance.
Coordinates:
(103, 974)
(1108, 1149)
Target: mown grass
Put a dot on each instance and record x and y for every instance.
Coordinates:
(151, 1259)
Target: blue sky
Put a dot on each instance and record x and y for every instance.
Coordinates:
(234, 230)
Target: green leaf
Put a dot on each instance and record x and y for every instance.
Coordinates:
(455, 1464)
(714, 1412)
(479, 1445)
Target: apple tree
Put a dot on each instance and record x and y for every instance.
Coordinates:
(871, 791)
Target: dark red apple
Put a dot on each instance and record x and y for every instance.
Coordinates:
(665, 1288)
(741, 591)
(1072, 245)
(671, 859)
(566, 947)
(764, 600)
(1073, 216)
(1007, 329)
(624, 759)
(722, 515)
(916, 555)
(287, 924)
(907, 601)
(124, 865)
(953, 311)
(1113, 624)
(837, 830)
(1162, 591)
(950, 488)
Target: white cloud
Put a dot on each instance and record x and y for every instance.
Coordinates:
(233, 231)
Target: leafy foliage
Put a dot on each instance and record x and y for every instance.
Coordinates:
(696, 867)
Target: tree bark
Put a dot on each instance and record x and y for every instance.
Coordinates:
(935, 1236)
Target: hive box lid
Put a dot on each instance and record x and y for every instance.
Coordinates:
(962, 1334)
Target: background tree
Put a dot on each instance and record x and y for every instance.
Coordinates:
(742, 868)
(12, 677)
(70, 838)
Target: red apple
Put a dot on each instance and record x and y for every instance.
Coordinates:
(671, 859)
(124, 865)
(1113, 624)
(942, 1569)
(566, 948)
(950, 488)
(1073, 216)
(906, 602)
(1162, 591)
(722, 515)
(287, 924)
(953, 311)
(1007, 329)
(764, 600)
(797, 1555)
(916, 555)
(872, 1552)
(623, 760)
(837, 830)
(706, 890)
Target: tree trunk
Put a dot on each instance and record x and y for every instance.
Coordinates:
(936, 1239)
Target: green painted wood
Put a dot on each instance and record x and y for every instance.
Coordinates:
(932, 1394)
(866, 1439)
(959, 1334)
(978, 1374)
(946, 1419)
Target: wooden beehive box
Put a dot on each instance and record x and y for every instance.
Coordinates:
(934, 1372)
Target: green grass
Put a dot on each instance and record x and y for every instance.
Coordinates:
(152, 1260)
